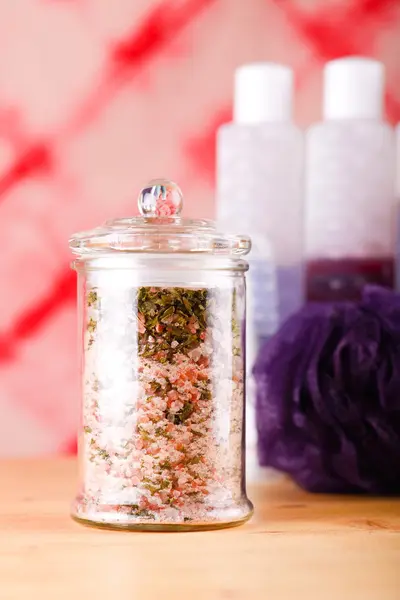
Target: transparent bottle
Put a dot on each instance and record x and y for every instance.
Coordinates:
(350, 201)
(260, 186)
(162, 320)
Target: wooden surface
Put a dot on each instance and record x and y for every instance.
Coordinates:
(298, 546)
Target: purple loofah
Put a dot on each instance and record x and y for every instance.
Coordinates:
(328, 396)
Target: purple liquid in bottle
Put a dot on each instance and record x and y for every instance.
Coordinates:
(344, 279)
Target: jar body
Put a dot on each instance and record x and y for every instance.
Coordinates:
(162, 436)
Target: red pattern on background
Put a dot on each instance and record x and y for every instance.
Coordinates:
(36, 159)
(63, 290)
(113, 94)
(201, 149)
(162, 24)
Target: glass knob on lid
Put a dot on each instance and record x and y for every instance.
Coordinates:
(160, 198)
(159, 228)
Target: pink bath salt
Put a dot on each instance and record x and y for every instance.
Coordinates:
(156, 498)
(202, 375)
(139, 444)
(164, 495)
(174, 376)
(143, 418)
(176, 406)
(182, 480)
(179, 359)
(175, 455)
(125, 471)
(164, 454)
(172, 395)
(147, 504)
(153, 449)
(135, 480)
(102, 468)
(135, 455)
(195, 394)
(203, 363)
(195, 354)
(146, 473)
(186, 437)
(162, 404)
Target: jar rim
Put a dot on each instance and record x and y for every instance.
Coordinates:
(143, 261)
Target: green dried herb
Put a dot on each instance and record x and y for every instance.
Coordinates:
(187, 305)
(91, 326)
(167, 313)
(185, 412)
(144, 434)
(140, 512)
(162, 432)
(166, 465)
(181, 416)
(206, 395)
(87, 429)
(195, 460)
(171, 315)
(197, 433)
(155, 386)
(152, 488)
(103, 454)
(91, 298)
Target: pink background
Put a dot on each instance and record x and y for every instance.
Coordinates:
(98, 96)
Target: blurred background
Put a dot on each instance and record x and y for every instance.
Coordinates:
(97, 97)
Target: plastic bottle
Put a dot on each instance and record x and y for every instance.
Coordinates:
(259, 189)
(350, 185)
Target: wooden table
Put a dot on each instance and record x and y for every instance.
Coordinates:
(298, 546)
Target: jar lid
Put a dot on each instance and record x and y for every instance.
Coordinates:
(159, 229)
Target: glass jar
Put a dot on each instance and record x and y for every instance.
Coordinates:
(162, 321)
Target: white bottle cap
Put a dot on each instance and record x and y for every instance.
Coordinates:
(263, 93)
(353, 88)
